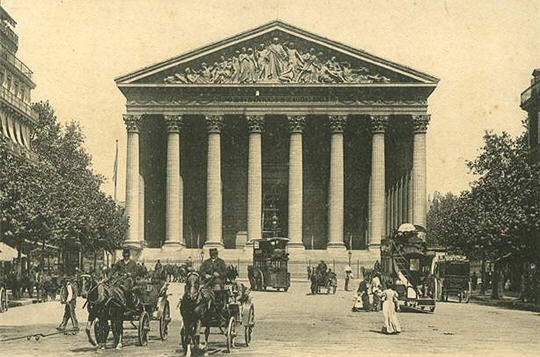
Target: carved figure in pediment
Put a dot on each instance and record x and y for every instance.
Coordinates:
(206, 73)
(333, 70)
(235, 61)
(248, 66)
(294, 63)
(379, 78)
(353, 75)
(262, 61)
(277, 59)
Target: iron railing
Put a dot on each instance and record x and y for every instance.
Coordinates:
(530, 92)
(18, 103)
(15, 62)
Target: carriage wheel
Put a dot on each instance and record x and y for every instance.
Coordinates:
(144, 328)
(248, 329)
(231, 334)
(2, 303)
(164, 322)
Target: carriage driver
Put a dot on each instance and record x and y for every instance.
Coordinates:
(214, 269)
(126, 265)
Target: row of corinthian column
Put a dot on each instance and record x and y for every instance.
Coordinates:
(378, 201)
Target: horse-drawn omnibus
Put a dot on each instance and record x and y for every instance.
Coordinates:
(269, 269)
(453, 273)
(407, 261)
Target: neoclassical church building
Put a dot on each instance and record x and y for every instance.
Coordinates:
(274, 132)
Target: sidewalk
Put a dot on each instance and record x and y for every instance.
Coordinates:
(506, 302)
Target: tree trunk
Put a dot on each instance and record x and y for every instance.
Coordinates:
(483, 275)
(496, 285)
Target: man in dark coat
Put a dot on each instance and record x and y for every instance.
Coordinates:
(126, 265)
(214, 268)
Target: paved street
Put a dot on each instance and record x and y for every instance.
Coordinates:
(297, 324)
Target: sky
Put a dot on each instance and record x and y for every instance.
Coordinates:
(483, 52)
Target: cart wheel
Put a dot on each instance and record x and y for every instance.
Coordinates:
(5, 300)
(164, 322)
(248, 329)
(144, 328)
(2, 300)
(231, 334)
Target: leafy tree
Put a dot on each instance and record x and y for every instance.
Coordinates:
(57, 199)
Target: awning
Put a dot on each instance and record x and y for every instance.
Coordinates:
(7, 253)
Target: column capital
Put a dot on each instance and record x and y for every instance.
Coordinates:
(297, 123)
(378, 123)
(174, 123)
(337, 123)
(133, 122)
(214, 123)
(420, 123)
(255, 123)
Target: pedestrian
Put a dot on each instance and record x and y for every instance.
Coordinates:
(309, 273)
(389, 308)
(474, 280)
(69, 299)
(348, 277)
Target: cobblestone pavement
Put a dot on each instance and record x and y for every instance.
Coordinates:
(297, 324)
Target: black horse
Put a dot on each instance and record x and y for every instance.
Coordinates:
(195, 308)
(108, 300)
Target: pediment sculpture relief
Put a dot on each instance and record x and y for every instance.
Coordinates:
(275, 62)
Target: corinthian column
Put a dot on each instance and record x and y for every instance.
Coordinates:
(132, 180)
(254, 207)
(214, 124)
(141, 209)
(335, 189)
(377, 198)
(419, 168)
(296, 127)
(173, 215)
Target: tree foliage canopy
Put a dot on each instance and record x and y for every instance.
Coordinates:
(499, 215)
(57, 199)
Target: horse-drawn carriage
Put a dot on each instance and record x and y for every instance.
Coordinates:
(270, 264)
(225, 309)
(453, 273)
(323, 278)
(146, 301)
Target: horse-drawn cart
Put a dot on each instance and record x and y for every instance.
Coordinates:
(153, 306)
(231, 308)
(453, 277)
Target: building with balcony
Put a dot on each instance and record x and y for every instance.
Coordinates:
(530, 102)
(17, 117)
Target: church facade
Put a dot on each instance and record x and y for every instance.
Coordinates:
(274, 132)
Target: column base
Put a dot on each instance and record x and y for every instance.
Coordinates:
(374, 247)
(296, 245)
(172, 244)
(336, 246)
(132, 244)
(218, 245)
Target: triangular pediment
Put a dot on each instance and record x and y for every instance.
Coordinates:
(275, 54)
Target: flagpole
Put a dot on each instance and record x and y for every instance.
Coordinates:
(115, 175)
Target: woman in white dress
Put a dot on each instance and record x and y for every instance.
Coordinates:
(389, 307)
